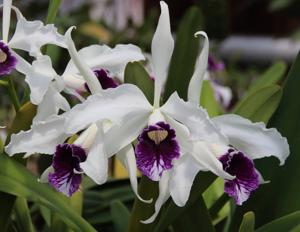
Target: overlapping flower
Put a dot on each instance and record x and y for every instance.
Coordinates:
(174, 141)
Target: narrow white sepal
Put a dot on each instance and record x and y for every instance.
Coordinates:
(195, 85)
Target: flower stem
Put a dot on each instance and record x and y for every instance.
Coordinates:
(13, 94)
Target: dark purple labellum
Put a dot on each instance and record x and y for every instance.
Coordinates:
(247, 179)
(105, 80)
(156, 149)
(67, 176)
(7, 60)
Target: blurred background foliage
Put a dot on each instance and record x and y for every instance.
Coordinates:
(254, 86)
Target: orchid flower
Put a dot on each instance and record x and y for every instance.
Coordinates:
(29, 36)
(130, 116)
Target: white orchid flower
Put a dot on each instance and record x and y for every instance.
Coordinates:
(29, 36)
(240, 142)
(130, 116)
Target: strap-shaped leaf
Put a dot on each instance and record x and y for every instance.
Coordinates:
(120, 216)
(248, 222)
(16, 180)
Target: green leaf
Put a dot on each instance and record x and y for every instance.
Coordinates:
(260, 105)
(188, 221)
(120, 216)
(287, 223)
(208, 99)
(22, 121)
(172, 212)
(16, 180)
(147, 189)
(185, 53)
(137, 75)
(281, 195)
(23, 217)
(270, 77)
(52, 10)
(248, 222)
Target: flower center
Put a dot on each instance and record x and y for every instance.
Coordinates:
(3, 56)
(156, 149)
(157, 136)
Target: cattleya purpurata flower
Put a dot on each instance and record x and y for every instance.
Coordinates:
(29, 36)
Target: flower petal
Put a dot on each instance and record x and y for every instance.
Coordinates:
(195, 85)
(126, 132)
(30, 36)
(163, 196)
(41, 138)
(182, 178)
(45, 175)
(104, 57)
(39, 78)
(127, 158)
(96, 164)
(50, 105)
(162, 49)
(6, 19)
(254, 139)
(194, 118)
(82, 66)
(112, 104)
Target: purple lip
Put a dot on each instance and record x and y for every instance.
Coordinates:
(156, 149)
(105, 80)
(246, 181)
(7, 60)
(67, 176)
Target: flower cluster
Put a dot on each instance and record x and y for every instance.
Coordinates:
(173, 141)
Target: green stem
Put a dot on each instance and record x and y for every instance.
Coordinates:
(13, 94)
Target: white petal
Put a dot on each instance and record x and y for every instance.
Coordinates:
(87, 137)
(82, 66)
(74, 82)
(195, 118)
(194, 90)
(41, 138)
(162, 49)
(96, 164)
(39, 78)
(126, 132)
(112, 104)
(103, 57)
(206, 156)
(6, 19)
(253, 138)
(44, 177)
(50, 105)
(32, 35)
(164, 194)
(127, 158)
(182, 178)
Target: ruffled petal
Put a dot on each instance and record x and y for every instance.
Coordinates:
(161, 49)
(41, 138)
(104, 57)
(194, 118)
(111, 104)
(30, 36)
(254, 139)
(195, 85)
